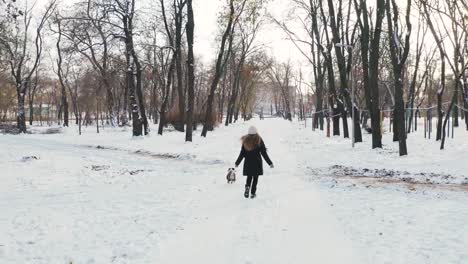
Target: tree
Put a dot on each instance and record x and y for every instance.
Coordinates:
(399, 55)
(23, 65)
(334, 102)
(221, 60)
(281, 76)
(249, 25)
(167, 83)
(178, 19)
(126, 13)
(454, 63)
(32, 94)
(89, 31)
(370, 54)
(60, 73)
(335, 22)
(421, 34)
(190, 72)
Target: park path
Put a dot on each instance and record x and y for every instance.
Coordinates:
(287, 223)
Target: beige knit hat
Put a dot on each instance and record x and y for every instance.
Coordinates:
(252, 130)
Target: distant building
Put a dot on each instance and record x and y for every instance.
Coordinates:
(44, 110)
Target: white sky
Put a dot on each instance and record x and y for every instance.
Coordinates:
(277, 44)
(206, 11)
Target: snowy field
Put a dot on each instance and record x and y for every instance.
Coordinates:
(109, 198)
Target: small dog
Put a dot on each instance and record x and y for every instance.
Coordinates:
(231, 175)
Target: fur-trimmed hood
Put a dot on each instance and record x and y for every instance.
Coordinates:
(250, 142)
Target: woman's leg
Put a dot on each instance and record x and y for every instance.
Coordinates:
(254, 184)
(247, 186)
(248, 182)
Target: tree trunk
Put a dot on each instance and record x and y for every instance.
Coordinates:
(144, 119)
(21, 118)
(343, 78)
(179, 124)
(96, 117)
(136, 122)
(136, 94)
(332, 98)
(465, 99)
(165, 102)
(65, 108)
(125, 112)
(455, 109)
(31, 112)
(110, 100)
(154, 106)
(190, 71)
(440, 93)
(400, 115)
(447, 116)
(235, 91)
(318, 117)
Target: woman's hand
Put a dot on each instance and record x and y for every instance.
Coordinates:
(271, 166)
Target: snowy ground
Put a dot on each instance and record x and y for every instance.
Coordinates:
(109, 198)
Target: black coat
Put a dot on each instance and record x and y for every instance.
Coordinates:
(253, 164)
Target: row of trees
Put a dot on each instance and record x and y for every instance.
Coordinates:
(375, 45)
(108, 64)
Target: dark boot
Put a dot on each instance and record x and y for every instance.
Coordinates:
(247, 190)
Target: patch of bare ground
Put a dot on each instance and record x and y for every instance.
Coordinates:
(379, 177)
(9, 129)
(411, 186)
(140, 152)
(155, 155)
(13, 130)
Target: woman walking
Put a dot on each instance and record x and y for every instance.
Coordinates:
(253, 148)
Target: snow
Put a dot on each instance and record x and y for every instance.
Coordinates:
(388, 225)
(111, 198)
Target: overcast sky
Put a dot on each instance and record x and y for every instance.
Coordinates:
(206, 11)
(274, 39)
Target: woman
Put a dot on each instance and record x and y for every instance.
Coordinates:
(252, 151)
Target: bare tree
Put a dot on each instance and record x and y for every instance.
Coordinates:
(190, 72)
(421, 34)
(281, 76)
(60, 73)
(90, 33)
(125, 11)
(32, 94)
(167, 82)
(249, 25)
(399, 55)
(370, 54)
(178, 19)
(221, 60)
(22, 64)
(336, 24)
(457, 63)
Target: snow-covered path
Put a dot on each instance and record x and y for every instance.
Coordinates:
(87, 205)
(161, 200)
(286, 223)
